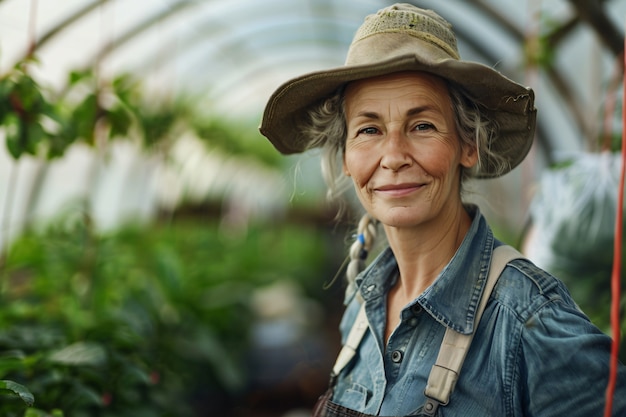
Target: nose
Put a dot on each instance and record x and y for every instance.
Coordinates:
(396, 152)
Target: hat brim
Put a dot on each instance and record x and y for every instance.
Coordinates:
(505, 101)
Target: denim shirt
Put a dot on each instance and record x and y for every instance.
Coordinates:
(534, 353)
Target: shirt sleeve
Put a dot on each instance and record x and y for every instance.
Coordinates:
(564, 364)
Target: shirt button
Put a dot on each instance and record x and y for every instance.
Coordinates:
(396, 356)
(416, 309)
(413, 322)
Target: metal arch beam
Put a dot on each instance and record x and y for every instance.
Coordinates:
(467, 36)
(561, 86)
(68, 21)
(238, 49)
(502, 22)
(489, 55)
(594, 14)
(330, 20)
(475, 43)
(221, 36)
(591, 12)
(254, 70)
(177, 7)
(141, 27)
(109, 47)
(136, 30)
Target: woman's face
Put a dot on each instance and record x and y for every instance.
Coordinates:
(402, 149)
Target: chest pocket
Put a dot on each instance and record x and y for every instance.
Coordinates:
(358, 395)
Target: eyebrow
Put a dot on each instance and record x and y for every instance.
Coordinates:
(410, 112)
(368, 115)
(420, 109)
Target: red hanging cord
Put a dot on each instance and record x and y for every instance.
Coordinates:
(617, 266)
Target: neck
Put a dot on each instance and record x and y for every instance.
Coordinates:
(424, 251)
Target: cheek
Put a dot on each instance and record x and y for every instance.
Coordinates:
(354, 163)
(436, 162)
(440, 162)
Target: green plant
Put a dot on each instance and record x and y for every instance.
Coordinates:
(14, 397)
(142, 321)
(23, 111)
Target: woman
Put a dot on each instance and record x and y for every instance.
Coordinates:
(406, 121)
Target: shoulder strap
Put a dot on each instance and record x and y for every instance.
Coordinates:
(355, 336)
(454, 347)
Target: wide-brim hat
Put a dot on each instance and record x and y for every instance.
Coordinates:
(399, 38)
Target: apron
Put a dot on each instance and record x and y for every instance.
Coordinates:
(326, 408)
(445, 371)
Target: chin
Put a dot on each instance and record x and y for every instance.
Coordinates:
(400, 220)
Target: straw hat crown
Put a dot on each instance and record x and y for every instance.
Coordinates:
(405, 18)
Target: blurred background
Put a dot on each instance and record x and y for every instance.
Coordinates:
(159, 258)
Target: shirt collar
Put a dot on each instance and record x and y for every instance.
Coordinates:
(453, 297)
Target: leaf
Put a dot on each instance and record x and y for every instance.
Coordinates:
(35, 136)
(119, 120)
(33, 412)
(80, 354)
(11, 361)
(5, 92)
(84, 117)
(19, 390)
(207, 346)
(13, 132)
(76, 77)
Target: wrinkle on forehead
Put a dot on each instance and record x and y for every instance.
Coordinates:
(421, 87)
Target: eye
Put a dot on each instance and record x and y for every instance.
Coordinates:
(368, 131)
(424, 126)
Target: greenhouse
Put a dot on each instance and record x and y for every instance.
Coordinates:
(159, 257)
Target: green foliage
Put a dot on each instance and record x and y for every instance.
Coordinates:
(139, 322)
(18, 390)
(40, 122)
(23, 108)
(87, 109)
(239, 139)
(156, 121)
(36, 124)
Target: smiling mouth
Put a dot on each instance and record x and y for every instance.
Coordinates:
(399, 190)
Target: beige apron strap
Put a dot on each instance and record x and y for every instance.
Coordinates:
(454, 347)
(352, 342)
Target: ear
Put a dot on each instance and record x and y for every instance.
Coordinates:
(469, 156)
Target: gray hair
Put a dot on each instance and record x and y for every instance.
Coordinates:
(326, 128)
